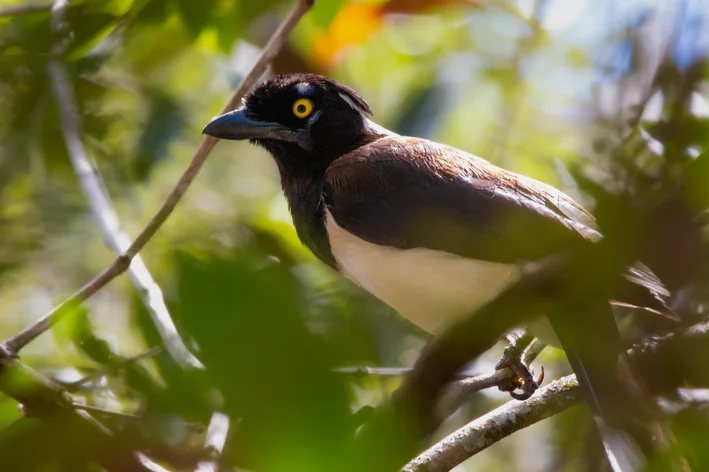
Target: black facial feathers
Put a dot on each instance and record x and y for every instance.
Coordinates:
(321, 120)
(286, 88)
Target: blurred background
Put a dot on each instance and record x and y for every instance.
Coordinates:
(615, 90)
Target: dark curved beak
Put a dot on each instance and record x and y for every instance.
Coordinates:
(236, 125)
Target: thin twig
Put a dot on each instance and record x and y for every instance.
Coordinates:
(694, 338)
(514, 416)
(533, 351)
(100, 202)
(21, 9)
(378, 371)
(466, 382)
(102, 411)
(455, 394)
(394, 371)
(216, 438)
(122, 262)
(98, 373)
(193, 427)
(496, 425)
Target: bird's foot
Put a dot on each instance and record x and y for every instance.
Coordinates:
(524, 375)
(523, 380)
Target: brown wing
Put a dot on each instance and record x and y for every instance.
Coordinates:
(409, 192)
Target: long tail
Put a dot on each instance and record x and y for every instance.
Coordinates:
(624, 454)
(591, 341)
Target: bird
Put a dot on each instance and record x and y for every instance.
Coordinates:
(431, 230)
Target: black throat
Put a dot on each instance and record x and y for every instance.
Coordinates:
(303, 181)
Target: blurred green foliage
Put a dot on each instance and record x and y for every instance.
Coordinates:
(546, 88)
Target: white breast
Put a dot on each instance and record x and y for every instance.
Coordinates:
(429, 287)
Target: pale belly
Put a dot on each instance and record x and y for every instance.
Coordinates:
(431, 288)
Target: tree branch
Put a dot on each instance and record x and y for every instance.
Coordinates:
(455, 394)
(216, 438)
(100, 202)
(384, 371)
(501, 422)
(554, 398)
(123, 261)
(101, 372)
(38, 395)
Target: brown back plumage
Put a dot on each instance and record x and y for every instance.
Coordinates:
(409, 192)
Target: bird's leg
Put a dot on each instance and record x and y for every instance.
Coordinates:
(515, 359)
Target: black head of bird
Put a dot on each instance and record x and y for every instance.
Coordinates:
(429, 229)
(305, 121)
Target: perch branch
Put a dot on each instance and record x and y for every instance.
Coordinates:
(496, 425)
(562, 394)
(362, 370)
(122, 262)
(455, 394)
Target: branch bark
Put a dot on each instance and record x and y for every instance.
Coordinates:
(501, 422)
(123, 261)
(650, 357)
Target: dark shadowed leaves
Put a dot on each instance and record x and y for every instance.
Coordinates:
(274, 375)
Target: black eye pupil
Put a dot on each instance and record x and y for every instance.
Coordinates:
(301, 108)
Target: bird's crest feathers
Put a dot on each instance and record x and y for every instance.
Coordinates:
(306, 85)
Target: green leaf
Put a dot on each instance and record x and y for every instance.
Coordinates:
(242, 310)
(196, 15)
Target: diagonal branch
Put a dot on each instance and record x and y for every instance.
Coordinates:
(649, 358)
(100, 202)
(120, 364)
(123, 261)
(496, 425)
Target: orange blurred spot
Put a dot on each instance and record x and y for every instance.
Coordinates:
(418, 6)
(352, 25)
(356, 21)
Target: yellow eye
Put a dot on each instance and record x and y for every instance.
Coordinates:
(302, 107)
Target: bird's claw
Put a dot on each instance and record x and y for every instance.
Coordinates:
(523, 379)
(528, 385)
